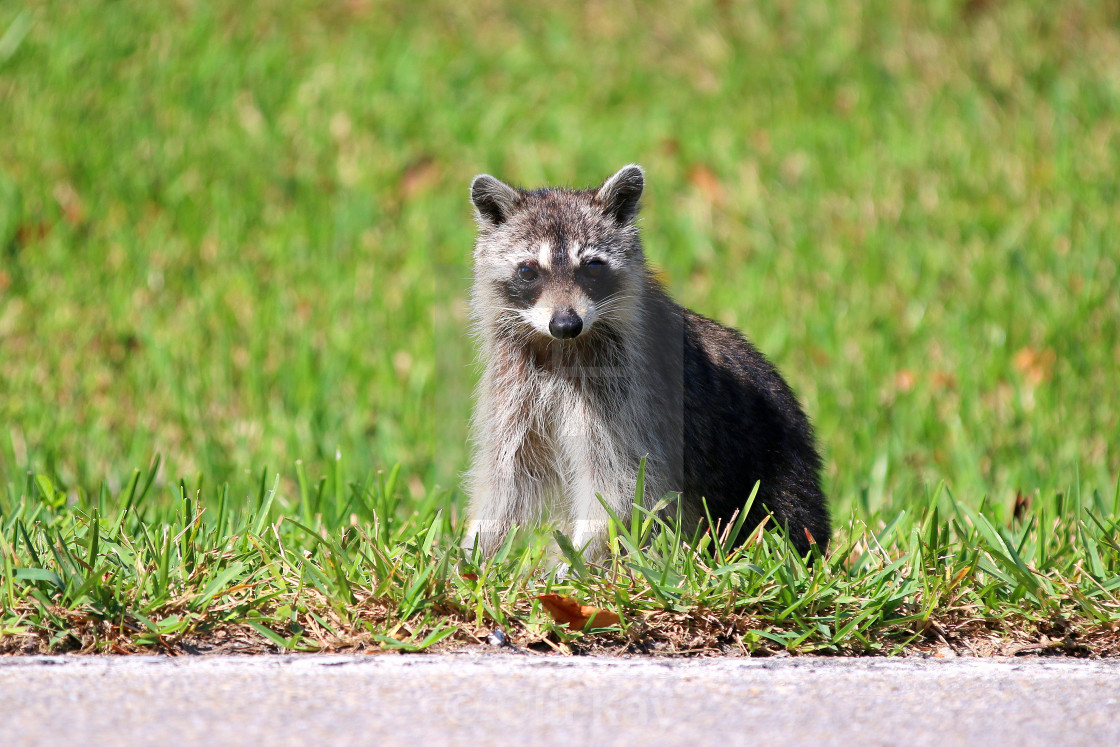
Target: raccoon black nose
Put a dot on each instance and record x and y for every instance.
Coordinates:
(565, 324)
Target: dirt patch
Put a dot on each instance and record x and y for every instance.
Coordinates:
(660, 634)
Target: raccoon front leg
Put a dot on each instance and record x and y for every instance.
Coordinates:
(589, 520)
(596, 470)
(499, 504)
(615, 483)
(510, 482)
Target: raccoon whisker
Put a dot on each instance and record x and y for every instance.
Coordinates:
(608, 308)
(614, 300)
(618, 294)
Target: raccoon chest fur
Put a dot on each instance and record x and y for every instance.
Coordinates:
(585, 420)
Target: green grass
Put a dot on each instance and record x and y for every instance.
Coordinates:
(237, 235)
(352, 566)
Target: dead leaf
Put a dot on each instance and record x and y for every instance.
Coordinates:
(1036, 366)
(1022, 503)
(358, 8)
(973, 8)
(944, 380)
(28, 232)
(757, 536)
(73, 208)
(760, 141)
(420, 176)
(568, 611)
(706, 181)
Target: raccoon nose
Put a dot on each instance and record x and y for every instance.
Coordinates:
(565, 324)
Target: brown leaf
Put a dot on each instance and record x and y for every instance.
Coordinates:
(757, 536)
(1036, 366)
(944, 379)
(358, 8)
(420, 176)
(760, 141)
(706, 181)
(973, 8)
(73, 208)
(568, 611)
(1022, 504)
(29, 232)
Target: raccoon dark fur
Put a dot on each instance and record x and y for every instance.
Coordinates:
(590, 366)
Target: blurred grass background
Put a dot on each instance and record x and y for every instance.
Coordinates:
(237, 233)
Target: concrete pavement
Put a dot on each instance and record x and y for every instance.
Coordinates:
(576, 702)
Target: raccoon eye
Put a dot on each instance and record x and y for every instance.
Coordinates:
(594, 267)
(527, 272)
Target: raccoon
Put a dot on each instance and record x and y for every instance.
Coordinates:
(590, 366)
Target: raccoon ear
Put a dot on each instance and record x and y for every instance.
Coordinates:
(618, 196)
(493, 200)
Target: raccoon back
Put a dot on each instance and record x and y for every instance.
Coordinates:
(742, 424)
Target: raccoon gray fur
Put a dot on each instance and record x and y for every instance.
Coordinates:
(590, 366)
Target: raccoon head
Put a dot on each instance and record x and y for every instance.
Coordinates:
(558, 262)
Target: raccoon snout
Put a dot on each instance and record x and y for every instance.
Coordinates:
(565, 324)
